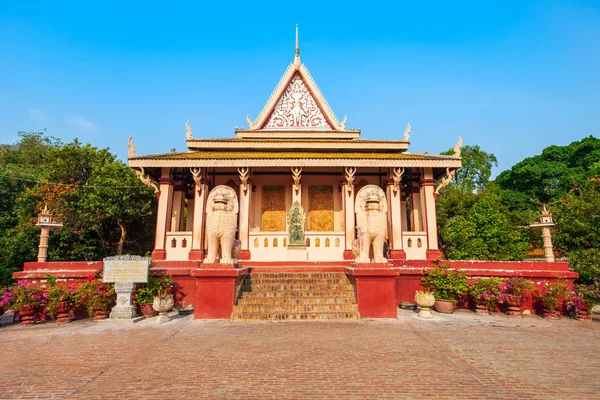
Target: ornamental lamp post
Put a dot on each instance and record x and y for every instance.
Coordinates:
(545, 223)
(46, 223)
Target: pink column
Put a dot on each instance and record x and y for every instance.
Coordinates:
(163, 215)
(395, 250)
(429, 214)
(349, 222)
(200, 196)
(244, 221)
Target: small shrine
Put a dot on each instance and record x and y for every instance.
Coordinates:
(296, 163)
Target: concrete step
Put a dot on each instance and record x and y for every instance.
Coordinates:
(292, 308)
(308, 281)
(277, 287)
(295, 316)
(299, 293)
(296, 300)
(298, 275)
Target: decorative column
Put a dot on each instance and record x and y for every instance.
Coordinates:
(244, 213)
(545, 223)
(163, 215)
(348, 206)
(416, 211)
(394, 194)
(199, 215)
(45, 222)
(189, 220)
(429, 215)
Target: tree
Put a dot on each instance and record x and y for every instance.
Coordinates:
(549, 176)
(480, 227)
(103, 206)
(476, 168)
(577, 233)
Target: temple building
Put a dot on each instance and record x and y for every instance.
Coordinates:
(296, 170)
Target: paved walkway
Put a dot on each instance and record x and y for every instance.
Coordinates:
(455, 356)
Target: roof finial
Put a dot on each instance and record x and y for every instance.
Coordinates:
(297, 56)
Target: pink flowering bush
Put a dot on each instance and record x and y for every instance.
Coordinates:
(486, 291)
(96, 295)
(24, 294)
(551, 294)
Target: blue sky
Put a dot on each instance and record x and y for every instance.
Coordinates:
(511, 76)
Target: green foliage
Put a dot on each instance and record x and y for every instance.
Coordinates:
(445, 284)
(104, 207)
(157, 286)
(478, 226)
(57, 293)
(476, 168)
(551, 293)
(549, 175)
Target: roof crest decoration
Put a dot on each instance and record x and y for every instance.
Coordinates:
(295, 67)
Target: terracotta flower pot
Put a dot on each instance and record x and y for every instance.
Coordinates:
(28, 314)
(514, 304)
(481, 309)
(63, 312)
(147, 310)
(550, 314)
(444, 306)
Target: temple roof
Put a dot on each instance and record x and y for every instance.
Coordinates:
(312, 144)
(293, 159)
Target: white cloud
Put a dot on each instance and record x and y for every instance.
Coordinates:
(82, 124)
(38, 116)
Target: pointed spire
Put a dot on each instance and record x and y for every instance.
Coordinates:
(297, 56)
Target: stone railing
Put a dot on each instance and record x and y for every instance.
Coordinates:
(415, 245)
(268, 245)
(325, 246)
(178, 245)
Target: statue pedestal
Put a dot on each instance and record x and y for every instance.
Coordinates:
(375, 289)
(231, 265)
(296, 254)
(216, 290)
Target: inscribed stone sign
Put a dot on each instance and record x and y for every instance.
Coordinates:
(320, 206)
(126, 269)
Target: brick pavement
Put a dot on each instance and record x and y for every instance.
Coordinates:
(456, 356)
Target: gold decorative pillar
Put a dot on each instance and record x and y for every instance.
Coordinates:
(177, 211)
(429, 214)
(199, 214)
(348, 207)
(45, 222)
(244, 213)
(163, 214)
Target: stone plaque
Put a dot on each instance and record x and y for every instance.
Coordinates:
(126, 269)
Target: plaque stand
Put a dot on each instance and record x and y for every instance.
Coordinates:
(123, 309)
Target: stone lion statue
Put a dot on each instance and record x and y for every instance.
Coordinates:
(371, 222)
(221, 223)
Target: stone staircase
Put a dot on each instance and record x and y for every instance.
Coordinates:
(285, 296)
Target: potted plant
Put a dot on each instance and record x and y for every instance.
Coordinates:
(61, 298)
(97, 297)
(144, 296)
(485, 293)
(425, 300)
(163, 299)
(447, 287)
(550, 295)
(511, 293)
(27, 299)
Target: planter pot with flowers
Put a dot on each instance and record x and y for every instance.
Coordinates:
(97, 297)
(485, 293)
(551, 295)
(61, 300)
(163, 301)
(144, 296)
(447, 286)
(27, 299)
(511, 293)
(581, 300)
